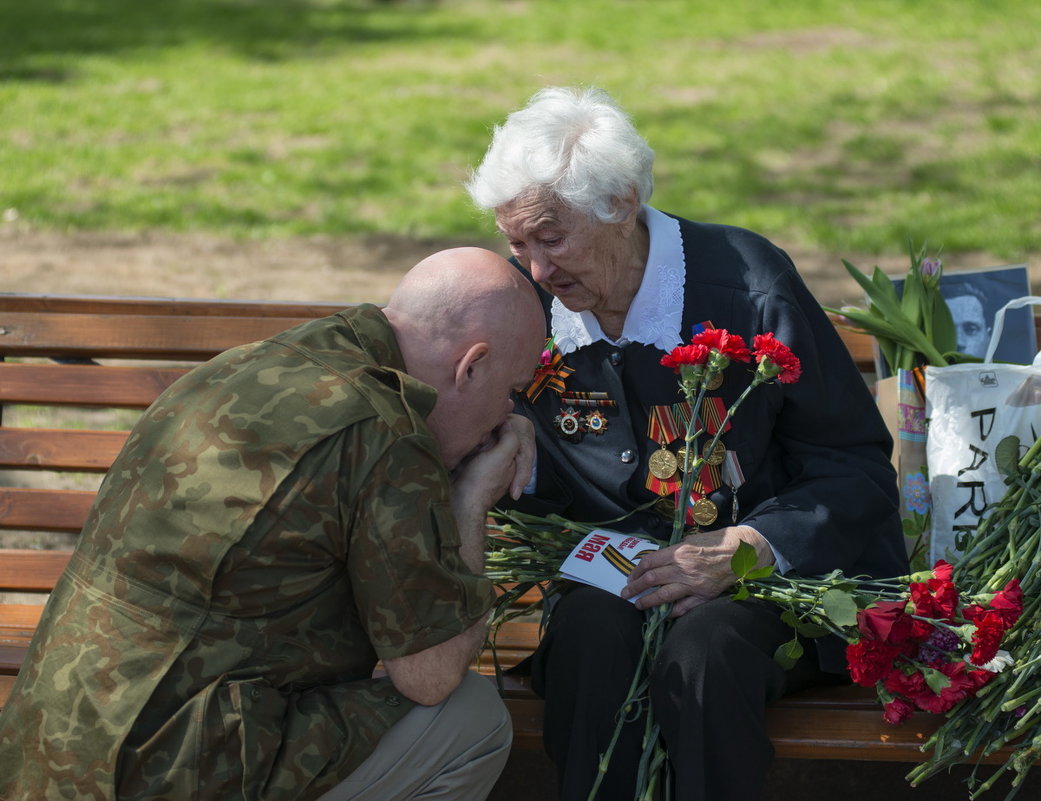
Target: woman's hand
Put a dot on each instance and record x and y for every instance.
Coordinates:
(694, 571)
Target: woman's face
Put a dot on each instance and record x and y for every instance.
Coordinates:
(577, 259)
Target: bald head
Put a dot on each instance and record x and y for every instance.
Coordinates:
(470, 325)
(460, 296)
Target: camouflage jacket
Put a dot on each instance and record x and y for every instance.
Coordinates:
(278, 520)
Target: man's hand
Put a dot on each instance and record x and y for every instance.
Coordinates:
(503, 463)
(694, 571)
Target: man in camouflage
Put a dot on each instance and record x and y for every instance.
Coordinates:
(281, 518)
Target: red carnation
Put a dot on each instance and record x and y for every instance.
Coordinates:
(870, 661)
(961, 686)
(986, 639)
(776, 359)
(1008, 603)
(897, 711)
(936, 599)
(943, 570)
(730, 345)
(685, 354)
(907, 684)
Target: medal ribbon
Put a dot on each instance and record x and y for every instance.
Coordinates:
(550, 375)
(587, 399)
(713, 412)
(663, 426)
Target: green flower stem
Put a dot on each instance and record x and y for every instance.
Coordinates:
(528, 550)
(637, 689)
(1021, 700)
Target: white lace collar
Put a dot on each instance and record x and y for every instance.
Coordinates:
(656, 313)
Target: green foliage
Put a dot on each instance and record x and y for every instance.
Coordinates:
(788, 654)
(911, 328)
(840, 607)
(839, 126)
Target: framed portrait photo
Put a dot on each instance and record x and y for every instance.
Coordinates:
(974, 297)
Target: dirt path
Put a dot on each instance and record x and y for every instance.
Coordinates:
(313, 268)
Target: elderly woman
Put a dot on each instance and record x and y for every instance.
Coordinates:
(805, 477)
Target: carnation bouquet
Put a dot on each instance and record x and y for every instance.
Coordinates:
(955, 640)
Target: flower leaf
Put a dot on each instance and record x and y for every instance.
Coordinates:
(913, 301)
(943, 333)
(1006, 456)
(805, 628)
(935, 679)
(788, 654)
(811, 630)
(840, 607)
(743, 560)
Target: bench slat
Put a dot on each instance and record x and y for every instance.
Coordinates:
(23, 570)
(12, 653)
(131, 335)
(19, 621)
(845, 696)
(84, 384)
(6, 683)
(44, 510)
(153, 306)
(59, 449)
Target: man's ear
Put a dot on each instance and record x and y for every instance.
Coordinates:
(470, 364)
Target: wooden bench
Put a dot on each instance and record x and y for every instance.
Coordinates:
(78, 354)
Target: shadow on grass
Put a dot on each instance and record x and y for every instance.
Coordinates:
(38, 38)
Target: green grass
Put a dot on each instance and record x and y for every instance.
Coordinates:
(847, 126)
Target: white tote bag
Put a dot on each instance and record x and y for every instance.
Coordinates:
(969, 409)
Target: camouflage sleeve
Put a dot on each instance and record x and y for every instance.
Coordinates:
(411, 586)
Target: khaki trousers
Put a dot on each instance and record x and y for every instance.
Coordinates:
(455, 750)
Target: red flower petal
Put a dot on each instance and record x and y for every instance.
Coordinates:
(730, 345)
(770, 350)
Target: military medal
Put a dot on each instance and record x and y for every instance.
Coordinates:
(595, 422)
(569, 424)
(704, 512)
(662, 464)
(733, 476)
(714, 456)
(715, 382)
(665, 506)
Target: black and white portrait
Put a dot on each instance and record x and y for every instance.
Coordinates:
(974, 298)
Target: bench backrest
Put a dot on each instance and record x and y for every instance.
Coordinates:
(89, 357)
(118, 353)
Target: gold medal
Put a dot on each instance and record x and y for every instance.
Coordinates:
(662, 464)
(704, 512)
(715, 382)
(666, 506)
(681, 459)
(716, 455)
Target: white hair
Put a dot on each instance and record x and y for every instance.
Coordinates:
(576, 144)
